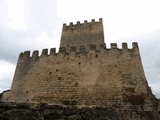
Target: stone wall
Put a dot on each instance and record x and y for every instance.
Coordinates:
(93, 76)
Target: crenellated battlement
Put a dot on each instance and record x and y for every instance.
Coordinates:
(36, 53)
(93, 21)
(78, 50)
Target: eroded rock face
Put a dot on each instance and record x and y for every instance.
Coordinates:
(30, 111)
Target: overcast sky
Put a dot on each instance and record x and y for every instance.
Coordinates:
(36, 24)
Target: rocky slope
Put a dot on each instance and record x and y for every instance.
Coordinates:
(26, 111)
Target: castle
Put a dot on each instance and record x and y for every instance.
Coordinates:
(83, 72)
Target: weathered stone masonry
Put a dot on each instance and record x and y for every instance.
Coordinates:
(83, 72)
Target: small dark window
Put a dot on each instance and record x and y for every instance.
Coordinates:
(96, 55)
(50, 73)
(60, 78)
(79, 56)
(57, 70)
(26, 91)
(27, 99)
(67, 58)
(79, 63)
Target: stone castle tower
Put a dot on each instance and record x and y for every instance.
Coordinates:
(83, 72)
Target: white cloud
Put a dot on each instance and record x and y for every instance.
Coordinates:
(16, 14)
(6, 75)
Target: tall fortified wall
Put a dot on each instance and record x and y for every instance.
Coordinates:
(82, 73)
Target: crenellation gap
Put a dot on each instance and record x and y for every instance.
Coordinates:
(113, 45)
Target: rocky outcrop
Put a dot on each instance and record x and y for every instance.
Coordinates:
(32, 111)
